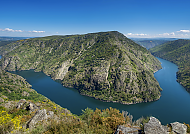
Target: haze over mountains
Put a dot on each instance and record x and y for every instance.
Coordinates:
(152, 42)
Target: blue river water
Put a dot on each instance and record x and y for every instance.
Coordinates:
(172, 106)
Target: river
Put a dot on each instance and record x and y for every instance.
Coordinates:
(172, 106)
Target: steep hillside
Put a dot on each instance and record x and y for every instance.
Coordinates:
(7, 46)
(107, 65)
(177, 52)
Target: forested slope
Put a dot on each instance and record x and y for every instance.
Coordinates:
(177, 52)
(106, 65)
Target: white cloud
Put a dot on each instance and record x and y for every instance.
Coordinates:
(131, 34)
(176, 34)
(10, 30)
(184, 31)
(34, 31)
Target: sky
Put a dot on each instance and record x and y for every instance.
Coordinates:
(133, 18)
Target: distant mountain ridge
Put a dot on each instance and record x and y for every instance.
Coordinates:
(152, 42)
(4, 38)
(106, 65)
(177, 52)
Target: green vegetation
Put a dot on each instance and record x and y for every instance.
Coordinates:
(15, 87)
(106, 65)
(14, 119)
(7, 46)
(98, 121)
(177, 52)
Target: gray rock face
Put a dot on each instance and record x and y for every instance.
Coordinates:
(50, 114)
(9, 104)
(32, 107)
(154, 127)
(126, 130)
(39, 116)
(20, 103)
(178, 128)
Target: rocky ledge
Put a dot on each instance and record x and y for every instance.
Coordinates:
(154, 126)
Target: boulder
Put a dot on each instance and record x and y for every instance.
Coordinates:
(20, 103)
(126, 130)
(178, 128)
(50, 114)
(154, 127)
(32, 107)
(39, 116)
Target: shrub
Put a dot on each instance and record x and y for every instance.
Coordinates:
(7, 123)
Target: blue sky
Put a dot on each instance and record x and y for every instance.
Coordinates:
(134, 18)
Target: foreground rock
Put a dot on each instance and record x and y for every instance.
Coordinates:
(39, 116)
(126, 130)
(20, 103)
(178, 128)
(154, 127)
(32, 107)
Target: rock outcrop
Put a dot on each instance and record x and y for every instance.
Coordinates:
(20, 103)
(154, 127)
(27, 105)
(126, 130)
(178, 128)
(40, 115)
(32, 107)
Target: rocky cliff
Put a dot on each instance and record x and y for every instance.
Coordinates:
(107, 65)
(153, 126)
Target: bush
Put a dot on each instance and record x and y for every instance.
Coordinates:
(7, 123)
